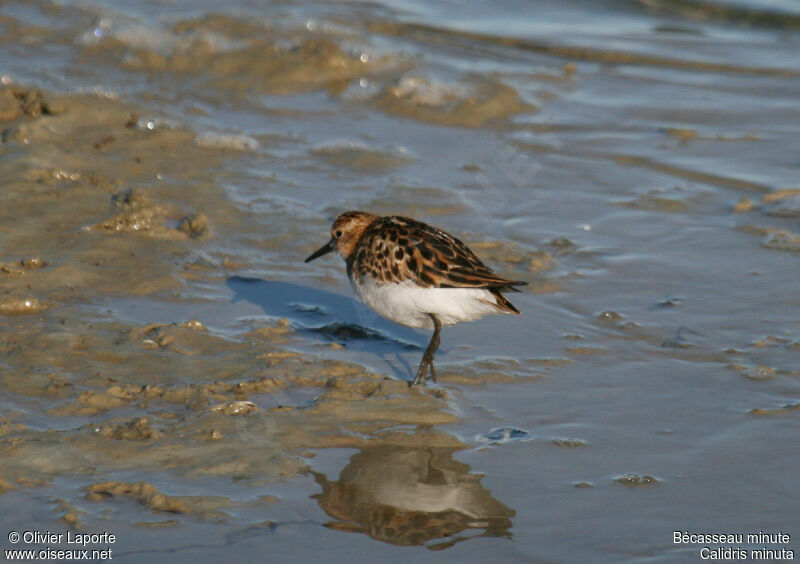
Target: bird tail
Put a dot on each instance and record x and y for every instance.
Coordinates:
(502, 303)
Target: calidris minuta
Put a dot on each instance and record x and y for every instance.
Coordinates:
(416, 275)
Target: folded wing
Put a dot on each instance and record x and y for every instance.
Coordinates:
(405, 249)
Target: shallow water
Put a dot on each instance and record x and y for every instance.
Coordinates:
(174, 374)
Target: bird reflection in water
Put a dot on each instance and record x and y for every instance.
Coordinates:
(412, 496)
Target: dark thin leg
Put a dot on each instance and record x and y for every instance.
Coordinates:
(427, 357)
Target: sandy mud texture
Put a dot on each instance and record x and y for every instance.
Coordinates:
(94, 206)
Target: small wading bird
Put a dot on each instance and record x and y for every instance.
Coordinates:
(416, 275)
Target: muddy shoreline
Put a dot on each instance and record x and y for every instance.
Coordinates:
(110, 216)
(171, 372)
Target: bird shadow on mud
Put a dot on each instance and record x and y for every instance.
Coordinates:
(330, 317)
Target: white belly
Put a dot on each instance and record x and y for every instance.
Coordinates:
(409, 304)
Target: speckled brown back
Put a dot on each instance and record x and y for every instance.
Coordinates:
(395, 249)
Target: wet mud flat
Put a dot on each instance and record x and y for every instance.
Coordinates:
(173, 374)
(95, 410)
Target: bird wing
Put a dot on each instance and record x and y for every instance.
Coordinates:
(404, 249)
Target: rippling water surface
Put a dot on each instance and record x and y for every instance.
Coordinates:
(636, 161)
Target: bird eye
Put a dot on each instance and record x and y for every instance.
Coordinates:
(338, 234)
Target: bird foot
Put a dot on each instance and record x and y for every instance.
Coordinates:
(422, 372)
(427, 357)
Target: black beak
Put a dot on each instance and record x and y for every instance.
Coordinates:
(325, 249)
